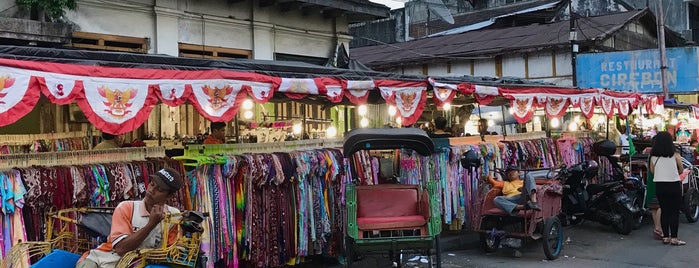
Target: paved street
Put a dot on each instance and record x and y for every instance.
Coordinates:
(588, 245)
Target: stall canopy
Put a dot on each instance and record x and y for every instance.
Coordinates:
(117, 91)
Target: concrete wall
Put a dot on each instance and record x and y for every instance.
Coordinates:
(536, 66)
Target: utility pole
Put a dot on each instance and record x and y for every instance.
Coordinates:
(661, 47)
(573, 38)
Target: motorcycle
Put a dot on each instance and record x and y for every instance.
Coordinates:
(606, 203)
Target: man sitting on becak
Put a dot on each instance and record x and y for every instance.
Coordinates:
(512, 199)
(137, 224)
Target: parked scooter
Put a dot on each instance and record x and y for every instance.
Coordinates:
(606, 203)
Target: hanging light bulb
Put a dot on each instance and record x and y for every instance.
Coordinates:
(555, 123)
(577, 118)
(361, 110)
(399, 121)
(447, 106)
(297, 128)
(512, 110)
(247, 104)
(331, 132)
(364, 122)
(491, 122)
(247, 114)
(392, 110)
(573, 126)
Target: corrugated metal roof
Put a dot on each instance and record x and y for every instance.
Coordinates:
(490, 21)
(490, 42)
(478, 16)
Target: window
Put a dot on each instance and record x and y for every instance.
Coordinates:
(109, 42)
(210, 52)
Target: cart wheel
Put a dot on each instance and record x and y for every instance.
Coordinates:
(552, 238)
(690, 206)
(489, 243)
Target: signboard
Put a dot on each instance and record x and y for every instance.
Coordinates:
(639, 70)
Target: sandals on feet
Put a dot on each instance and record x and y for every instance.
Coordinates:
(666, 240)
(677, 242)
(657, 234)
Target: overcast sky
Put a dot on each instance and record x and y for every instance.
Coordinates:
(393, 4)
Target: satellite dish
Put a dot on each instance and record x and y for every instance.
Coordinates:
(440, 9)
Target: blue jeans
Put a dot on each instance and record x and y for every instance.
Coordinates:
(508, 203)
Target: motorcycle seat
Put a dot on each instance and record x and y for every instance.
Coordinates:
(596, 188)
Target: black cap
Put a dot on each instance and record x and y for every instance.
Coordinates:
(168, 179)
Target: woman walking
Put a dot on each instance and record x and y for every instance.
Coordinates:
(666, 166)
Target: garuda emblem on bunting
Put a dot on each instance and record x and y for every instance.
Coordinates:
(556, 106)
(5, 82)
(587, 106)
(118, 101)
(217, 96)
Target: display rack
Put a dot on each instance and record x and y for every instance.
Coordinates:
(80, 157)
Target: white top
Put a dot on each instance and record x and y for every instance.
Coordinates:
(665, 170)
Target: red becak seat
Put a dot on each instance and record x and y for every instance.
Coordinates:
(392, 207)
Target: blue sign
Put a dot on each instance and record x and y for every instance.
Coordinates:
(639, 70)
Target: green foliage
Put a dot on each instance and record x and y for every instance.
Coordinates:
(54, 8)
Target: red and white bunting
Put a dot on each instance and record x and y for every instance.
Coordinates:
(298, 88)
(217, 100)
(172, 93)
(60, 89)
(466, 88)
(357, 91)
(443, 92)
(331, 88)
(623, 108)
(443, 95)
(19, 93)
(607, 104)
(522, 108)
(259, 91)
(587, 106)
(485, 94)
(116, 105)
(556, 106)
(410, 102)
(651, 103)
(387, 93)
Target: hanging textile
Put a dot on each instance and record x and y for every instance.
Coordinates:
(270, 210)
(99, 185)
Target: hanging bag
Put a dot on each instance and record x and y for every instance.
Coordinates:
(651, 199)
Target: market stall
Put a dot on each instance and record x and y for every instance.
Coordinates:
(236, 182)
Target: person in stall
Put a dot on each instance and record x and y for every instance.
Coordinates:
(218, 133)
(440, 125)
(109, 141)
(513, 199)
(137, 224)
(624, 141)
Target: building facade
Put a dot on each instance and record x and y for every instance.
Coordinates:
(301, 30)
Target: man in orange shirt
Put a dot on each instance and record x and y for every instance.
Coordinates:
(218, 133)
(137, 224)
(512, 199)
